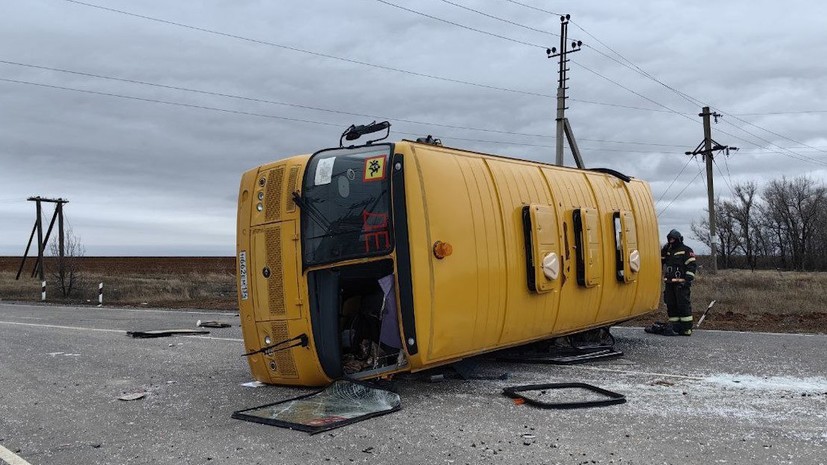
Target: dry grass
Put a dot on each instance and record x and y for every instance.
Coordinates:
(208, 290)
(785, 301)
(194, 282)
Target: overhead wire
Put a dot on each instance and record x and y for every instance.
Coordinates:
(534, 8)
(513, 23)
(309, 52)
(309, 107)
(775, 133)
(437, 18)
(731, 190)
(689, 159)
(344, 59)
(77, 2)
(634, 67)
(680, 193)
(278, 117)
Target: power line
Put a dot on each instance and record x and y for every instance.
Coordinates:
(165, 102)
(634, 67)
(514, 23)
(309, 107)
(634, 92)
(260, 100)
(344, 59)
(777, 134)
(778, 113)
(673, 181)
(149, 18)
(309, 52)
(285, 118)
(681, 192)
(786, 152)
(480, 31)
(534, 8)
(731, 191)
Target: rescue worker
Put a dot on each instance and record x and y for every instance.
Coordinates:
(679, 269)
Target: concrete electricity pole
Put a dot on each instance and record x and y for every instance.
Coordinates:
(563, 126)
(708, 152)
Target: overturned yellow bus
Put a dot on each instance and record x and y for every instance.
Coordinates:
(368, 260)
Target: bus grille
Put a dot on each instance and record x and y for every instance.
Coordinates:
(272, 201)
(275, 283)
(291, 184)
(285, 365)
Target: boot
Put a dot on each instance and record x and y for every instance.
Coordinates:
(664, 329)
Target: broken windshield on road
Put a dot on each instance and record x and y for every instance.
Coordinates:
(345, 205)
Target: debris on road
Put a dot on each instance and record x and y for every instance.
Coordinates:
(134, 396)
(253, 384)
(341, 403)
(212, 324)
(605, 397)
(165, 333)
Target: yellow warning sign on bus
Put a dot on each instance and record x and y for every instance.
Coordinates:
(374, 168)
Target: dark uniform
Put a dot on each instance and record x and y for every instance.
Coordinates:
(678, 273)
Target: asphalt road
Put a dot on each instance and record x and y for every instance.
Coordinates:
(716, 397)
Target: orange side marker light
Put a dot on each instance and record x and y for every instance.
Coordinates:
(442, 249)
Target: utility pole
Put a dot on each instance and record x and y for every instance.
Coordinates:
(563, 126)
(42, 241)
(708, 153)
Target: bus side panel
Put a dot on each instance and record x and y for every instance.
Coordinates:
(618, 297)
(487, 229)
(421, 253)
(528, 315)
(578, 305)
(649, 277)
(456, 281)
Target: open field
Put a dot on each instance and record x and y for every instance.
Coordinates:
(770, 301)
(171, 282)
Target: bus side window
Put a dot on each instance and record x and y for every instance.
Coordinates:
(587, 247)
(618, 229)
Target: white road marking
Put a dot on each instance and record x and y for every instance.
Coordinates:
(630, 372)
(110, 309)
(217, 338)
(11, 458)
(122, 331)
(80, 328)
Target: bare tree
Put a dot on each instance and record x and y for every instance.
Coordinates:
(745, 215)
(727, 235)
(793, 212)
(66, 272)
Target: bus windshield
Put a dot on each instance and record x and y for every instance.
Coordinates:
(345, 205)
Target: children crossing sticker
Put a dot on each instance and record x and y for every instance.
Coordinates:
(374, 169)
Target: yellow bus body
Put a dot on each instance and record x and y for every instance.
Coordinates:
(536, 251)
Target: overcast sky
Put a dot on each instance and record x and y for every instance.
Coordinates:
(151, 178)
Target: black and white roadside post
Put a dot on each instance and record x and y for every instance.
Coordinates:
(43, 291)
(100, 295)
